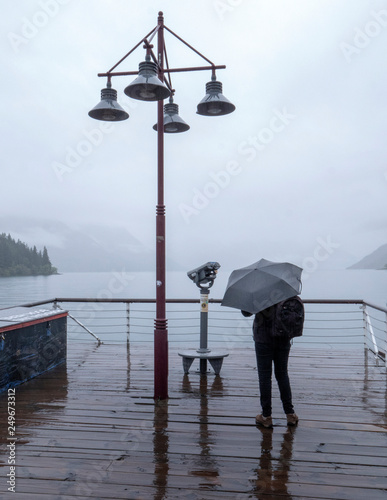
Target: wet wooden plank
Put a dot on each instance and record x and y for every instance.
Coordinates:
(85, 434)
(264, 485)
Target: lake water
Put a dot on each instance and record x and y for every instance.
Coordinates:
(368, 285)
(324, 325)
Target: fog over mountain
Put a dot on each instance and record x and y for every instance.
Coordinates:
(100, 247)
(375, 260)
(89, 247)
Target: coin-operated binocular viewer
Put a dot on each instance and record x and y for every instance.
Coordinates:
(204, 277)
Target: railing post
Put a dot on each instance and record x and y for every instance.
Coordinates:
(369, 329)
(385, 344)
(363, 306)
(128, 321)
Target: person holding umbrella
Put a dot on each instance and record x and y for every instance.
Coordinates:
(269, 290)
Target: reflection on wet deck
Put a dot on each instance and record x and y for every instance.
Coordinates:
(91, 430)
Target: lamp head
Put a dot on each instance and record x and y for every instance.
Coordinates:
(214, 103)
(108, 109)
(147, 86)
(173, 124)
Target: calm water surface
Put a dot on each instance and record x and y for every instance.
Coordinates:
(328, 284)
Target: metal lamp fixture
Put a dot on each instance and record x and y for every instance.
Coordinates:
(153, 83)
(147, 86)
(173, 124)
(214, 103)
(108, 109)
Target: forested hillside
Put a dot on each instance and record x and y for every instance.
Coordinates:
(17, 259)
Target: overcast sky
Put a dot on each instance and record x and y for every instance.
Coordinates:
(298, 172)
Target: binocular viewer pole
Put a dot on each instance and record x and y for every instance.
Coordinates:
(203, 277)
(204, 292)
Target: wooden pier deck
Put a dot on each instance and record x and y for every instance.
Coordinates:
(91, 430)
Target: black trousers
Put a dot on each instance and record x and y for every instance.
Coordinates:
(267, 356)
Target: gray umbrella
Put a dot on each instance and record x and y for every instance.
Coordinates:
(262, 284)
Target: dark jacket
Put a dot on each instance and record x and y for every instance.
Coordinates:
(263, 324)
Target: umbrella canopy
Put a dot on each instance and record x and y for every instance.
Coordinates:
(262, 284)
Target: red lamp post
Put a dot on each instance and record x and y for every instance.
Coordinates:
(160, 326)
(152, 85)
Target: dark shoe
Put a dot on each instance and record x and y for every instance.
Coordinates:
(292, 418)
(265, 421)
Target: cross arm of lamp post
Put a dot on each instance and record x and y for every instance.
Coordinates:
(165, 70)
(148, 46)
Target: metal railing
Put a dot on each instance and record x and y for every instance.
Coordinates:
(328, 324)
(375, 326)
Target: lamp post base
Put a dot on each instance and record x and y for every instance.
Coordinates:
(161, 359)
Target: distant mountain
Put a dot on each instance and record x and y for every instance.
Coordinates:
(375, 260)
(87, 248)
